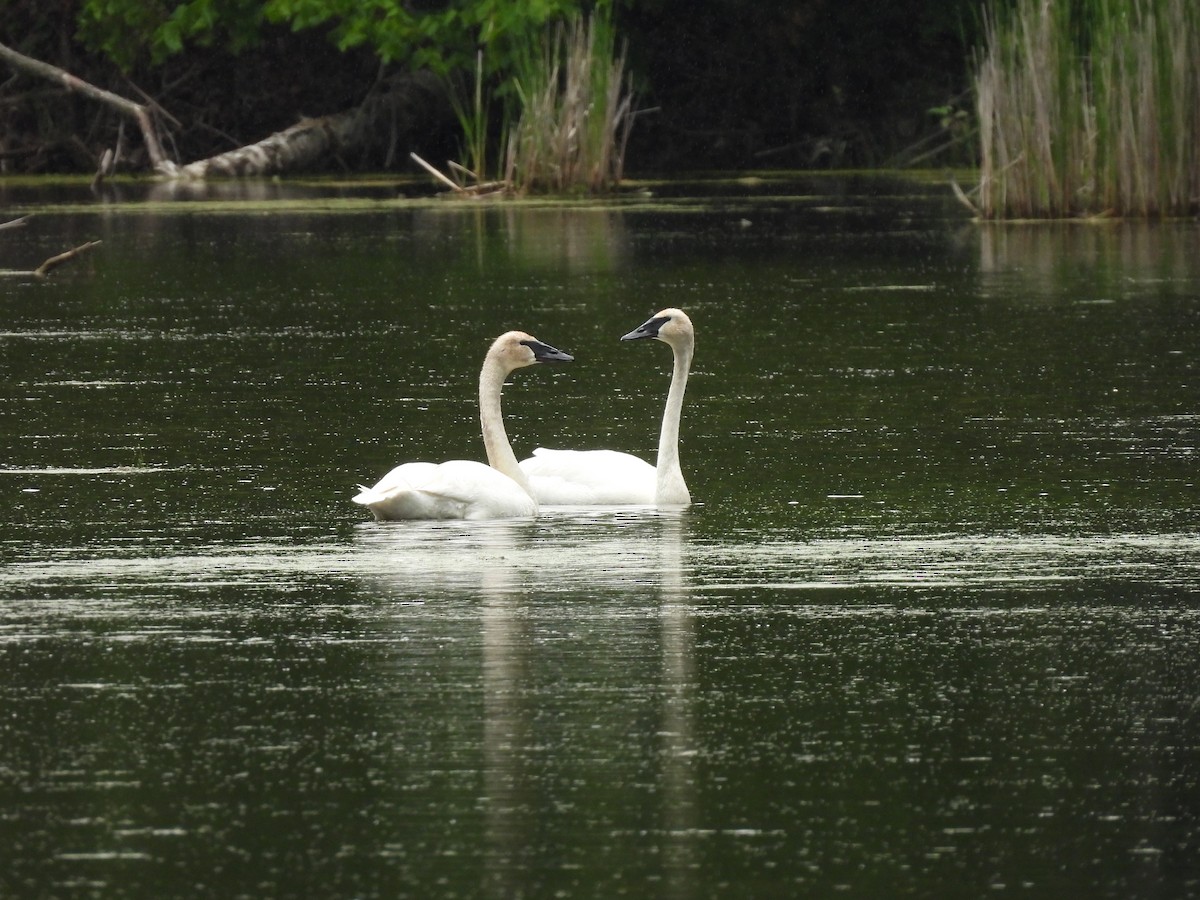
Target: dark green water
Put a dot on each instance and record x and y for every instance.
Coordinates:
(932, 629)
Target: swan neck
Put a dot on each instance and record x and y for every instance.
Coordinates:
(671, 487)
(500, 454)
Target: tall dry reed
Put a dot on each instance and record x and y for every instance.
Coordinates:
(1091, 107)
(576, 112)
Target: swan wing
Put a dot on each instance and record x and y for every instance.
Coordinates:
(483, 492)
(458, 489)
(589, 477)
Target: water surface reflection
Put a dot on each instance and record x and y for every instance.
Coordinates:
(931, 630)
(601, 699)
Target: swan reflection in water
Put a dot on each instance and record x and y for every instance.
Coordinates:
(565, 550)
(570, 601)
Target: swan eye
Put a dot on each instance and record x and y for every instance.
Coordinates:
(544, 353)
(654, 326)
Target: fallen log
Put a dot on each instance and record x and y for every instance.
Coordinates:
(410, 98)
(414, 100)
(297, 147)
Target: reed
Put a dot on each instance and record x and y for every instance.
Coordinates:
(471, 108)
(1089, 107)
(575, 112)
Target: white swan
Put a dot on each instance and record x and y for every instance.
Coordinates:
(460, 488)
(608, 477)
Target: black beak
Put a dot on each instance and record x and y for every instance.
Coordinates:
(648, 329)
(544, 353)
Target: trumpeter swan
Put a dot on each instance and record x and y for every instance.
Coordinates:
(460, 488)
(605, 477)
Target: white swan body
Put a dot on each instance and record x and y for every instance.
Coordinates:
(457, 489)
(609, 477)
(461, 488)
(590, 478)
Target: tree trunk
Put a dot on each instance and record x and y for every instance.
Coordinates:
(410, 100)
(402, 104)
(297, 147)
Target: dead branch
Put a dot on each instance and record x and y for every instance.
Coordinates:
(962, 197)
(52, 263)
(15, 223)
(108, 164)
(22, 63)
(483, 189)
(55, 261)
(450, 183)
(412, 99)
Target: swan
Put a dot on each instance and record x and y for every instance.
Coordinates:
(461, 488)
(608, 477)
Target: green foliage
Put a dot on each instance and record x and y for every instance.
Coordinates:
(443, 38)
(134, 31)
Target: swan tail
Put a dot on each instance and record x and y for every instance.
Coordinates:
(366, 496)
(459, 489)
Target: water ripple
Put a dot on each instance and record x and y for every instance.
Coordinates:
(618, 551)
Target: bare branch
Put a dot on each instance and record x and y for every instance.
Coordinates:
(435, 173)
(22, 63)
(55, 261)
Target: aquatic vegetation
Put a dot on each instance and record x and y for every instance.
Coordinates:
(566, 115)
(1089, 109)
(576, 112)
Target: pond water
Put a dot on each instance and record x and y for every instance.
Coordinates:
(932, 627)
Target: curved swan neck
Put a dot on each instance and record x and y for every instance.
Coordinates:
(500, 454)
(670, 486)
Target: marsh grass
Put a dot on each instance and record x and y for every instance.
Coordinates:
(472, 111)
(565, 120)
(1089, 108)
(576, 111)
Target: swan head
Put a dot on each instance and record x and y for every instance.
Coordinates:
(516, 349)
(671, 326)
